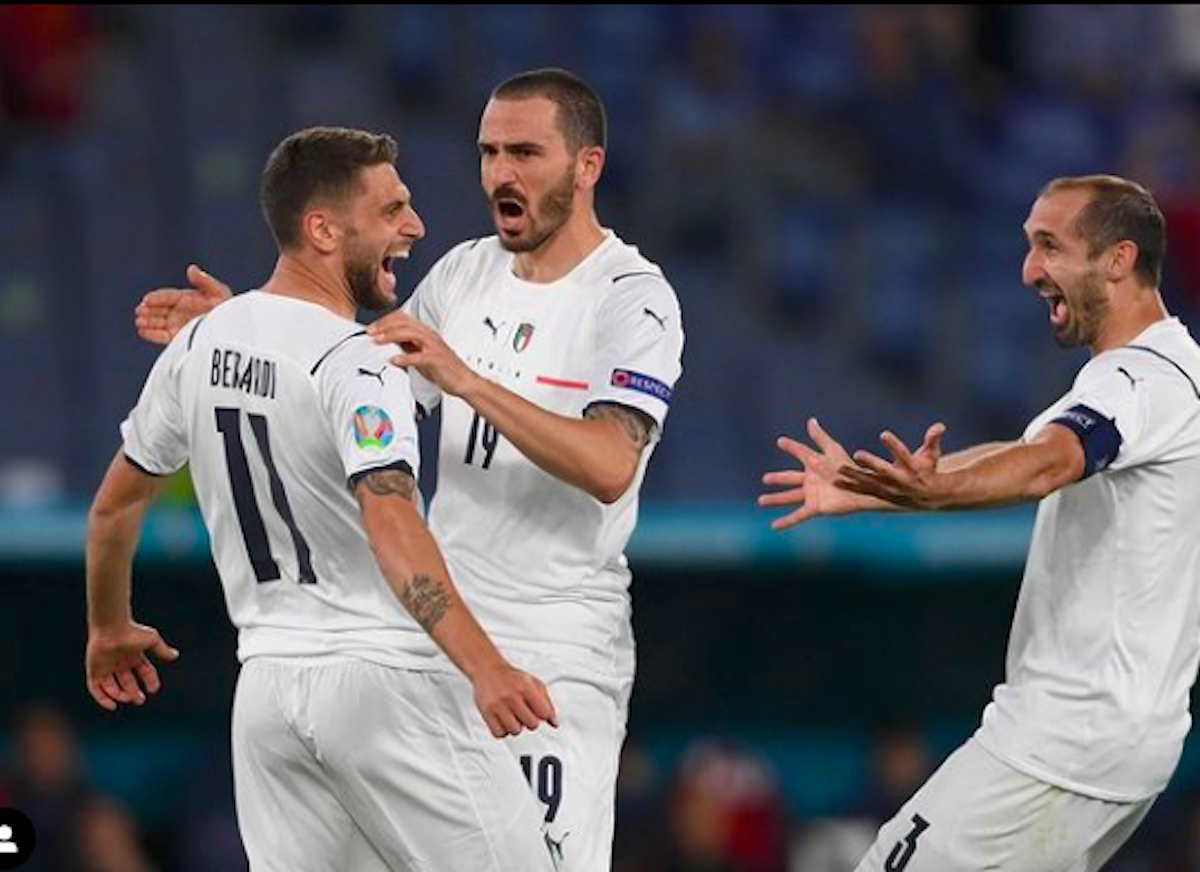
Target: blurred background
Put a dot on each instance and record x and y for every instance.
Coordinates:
(837, 195)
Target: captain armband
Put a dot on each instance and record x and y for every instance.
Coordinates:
(1099, 436)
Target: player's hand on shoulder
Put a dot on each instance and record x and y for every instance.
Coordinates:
(511, 700)
(164, 311)
(117, 668)
(423, 349)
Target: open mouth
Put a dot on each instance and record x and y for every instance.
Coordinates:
(1058, 308)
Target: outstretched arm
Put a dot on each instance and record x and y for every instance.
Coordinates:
(507, 698)
(598, 454)
(117, 646)
(1003, 475)
(163, 312)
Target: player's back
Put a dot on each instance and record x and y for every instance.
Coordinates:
(278, 400)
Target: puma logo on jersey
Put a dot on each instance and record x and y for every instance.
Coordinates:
(661, 320)
(491, 325)
(378, 375)
(1132, 381)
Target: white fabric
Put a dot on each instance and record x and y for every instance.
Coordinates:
(411, 782)
(976, 813)
(1106, 637)
(540, 561)
(318, 391)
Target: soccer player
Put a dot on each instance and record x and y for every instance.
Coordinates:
(1089, 723)
(354, 741)
(556, 347)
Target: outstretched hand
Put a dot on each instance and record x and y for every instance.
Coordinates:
(814, 487)
(163, 312)
(910, 480)
(116, 662)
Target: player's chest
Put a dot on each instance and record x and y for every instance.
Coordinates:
(542, 349)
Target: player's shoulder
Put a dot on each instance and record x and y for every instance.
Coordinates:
(482, 251)
(1164, 356)
(629, 281)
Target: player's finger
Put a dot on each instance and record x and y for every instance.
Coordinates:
(525, 714)
(494, 725)
(102, 699)
(933, 440)
(161, 299)
(785, 477)
(414, 359)
(508, 721)
(822, 439)
(874, 463)
(207, 284)
(791, 519)
(543, 706)
(899, 449)
(129, 686)
(163, 651)
(798, 450)
(793, 497)
(148, 675)
(109, 685)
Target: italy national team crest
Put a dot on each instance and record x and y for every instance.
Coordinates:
(373, 428)
(522, 337)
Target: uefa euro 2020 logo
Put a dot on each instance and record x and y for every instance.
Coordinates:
(373, 428)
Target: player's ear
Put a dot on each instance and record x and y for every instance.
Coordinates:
(589, 165)
(322, 230)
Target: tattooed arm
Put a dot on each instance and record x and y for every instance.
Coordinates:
(412, 564)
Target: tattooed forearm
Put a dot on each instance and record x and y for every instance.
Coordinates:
(385, 482)
(427, 600)
(637, 425)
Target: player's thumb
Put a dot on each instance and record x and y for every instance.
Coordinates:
(933, 439)
(542, 705)
(163, 651)
(207, 284)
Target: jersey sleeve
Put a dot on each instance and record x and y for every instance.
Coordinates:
(1120, 407)
(639, 346)
(370, 407)
(154, 435)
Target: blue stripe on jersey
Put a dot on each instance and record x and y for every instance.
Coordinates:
(1099, 436)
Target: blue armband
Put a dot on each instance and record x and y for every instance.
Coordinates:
(1099, 436)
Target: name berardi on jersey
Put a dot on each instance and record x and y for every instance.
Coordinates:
(253, 375)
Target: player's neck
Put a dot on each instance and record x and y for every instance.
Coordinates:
(561, 253)
(1125, 323)
(297, 278)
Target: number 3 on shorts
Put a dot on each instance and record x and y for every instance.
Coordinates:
(903, 852)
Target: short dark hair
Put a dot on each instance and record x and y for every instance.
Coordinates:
(581, 116)
(313, 164)
(1119, 210)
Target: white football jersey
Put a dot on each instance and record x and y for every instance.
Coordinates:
(541, 562)
(1106, 638)
(278, 405)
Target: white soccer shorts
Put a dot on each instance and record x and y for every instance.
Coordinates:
(978, 813)
(573, 770)
(341, 765)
